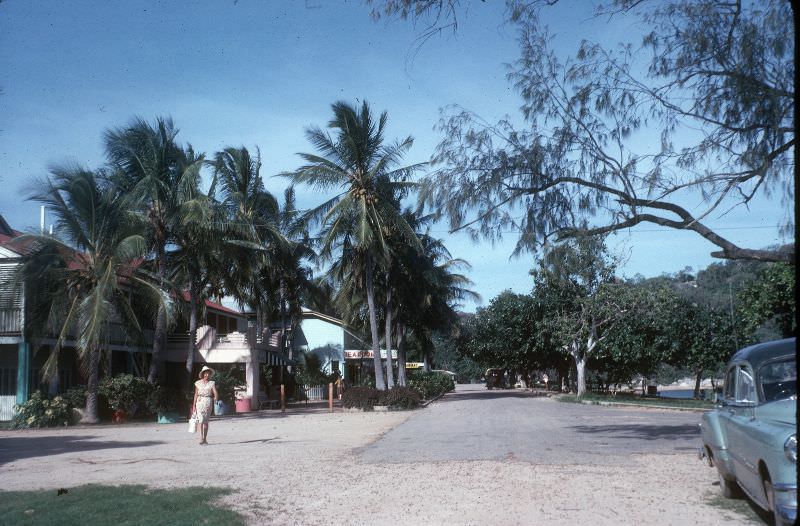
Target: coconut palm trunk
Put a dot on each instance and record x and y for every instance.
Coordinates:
(388, 338)
(192, 346)
(380, 383)
(401, 355)
(90, 415)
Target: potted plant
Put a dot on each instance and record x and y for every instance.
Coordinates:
(226, 389)
(125, 394)
(163, 401)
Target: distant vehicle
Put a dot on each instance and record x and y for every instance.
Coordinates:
(494, 378)
(751, 437)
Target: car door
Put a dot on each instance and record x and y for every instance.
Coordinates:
(743, 447)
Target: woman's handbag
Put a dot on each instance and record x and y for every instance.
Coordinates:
(193, 424)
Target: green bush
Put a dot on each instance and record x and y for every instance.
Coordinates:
(126, 392)
(431, 384)
(400, 398)
(75, 396)
(361, 398)
(40, 411)
(226, 383)
(163, 399)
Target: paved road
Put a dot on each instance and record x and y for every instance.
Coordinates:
(476, 424)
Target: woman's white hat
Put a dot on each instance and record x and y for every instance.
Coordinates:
(204, 369)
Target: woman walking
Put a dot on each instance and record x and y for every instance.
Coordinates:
(205, 394)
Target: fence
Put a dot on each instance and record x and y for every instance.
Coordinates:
(316, 392)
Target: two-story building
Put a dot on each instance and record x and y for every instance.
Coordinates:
(224, 341)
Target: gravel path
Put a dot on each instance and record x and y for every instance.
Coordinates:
(473, 457)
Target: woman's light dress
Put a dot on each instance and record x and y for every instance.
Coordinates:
(205, 397)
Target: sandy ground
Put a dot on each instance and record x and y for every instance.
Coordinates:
(307, 469)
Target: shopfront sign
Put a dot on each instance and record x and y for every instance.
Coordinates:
(358, 355)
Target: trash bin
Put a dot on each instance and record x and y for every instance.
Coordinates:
(243, 404)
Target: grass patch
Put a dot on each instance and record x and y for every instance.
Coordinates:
(118, 505)
(742, 507)
(638, 400)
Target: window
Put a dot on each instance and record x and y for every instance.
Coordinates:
(730, 385)
(779, 380)
(745, 386)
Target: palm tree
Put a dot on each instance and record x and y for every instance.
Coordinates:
(79, 286)
(198, 262)
(253, 216)
(357, 164)
(429, 290)
(158, 177)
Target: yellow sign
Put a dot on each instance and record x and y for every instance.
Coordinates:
(414, 365)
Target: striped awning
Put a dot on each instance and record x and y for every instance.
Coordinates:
(273, 358)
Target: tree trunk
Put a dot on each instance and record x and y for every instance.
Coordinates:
(389, 368)
(160, 334)
(697, 381)
(401, 354)
(580, 369)
(192, 333)
(282, 294)
(90, 415)
(380, 383)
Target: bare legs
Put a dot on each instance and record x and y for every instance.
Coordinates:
(203, 433)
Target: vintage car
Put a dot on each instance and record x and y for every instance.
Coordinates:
(751, 437)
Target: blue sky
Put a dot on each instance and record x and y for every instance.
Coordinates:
(255, 73)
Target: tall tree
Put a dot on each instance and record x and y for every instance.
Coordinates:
(157, 177)
(358, 164)
(717, 82)
(82, 279)
(254, 216)
(574, 282)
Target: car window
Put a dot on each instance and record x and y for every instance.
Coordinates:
(779, 380)
(745, 385)
(730, 385)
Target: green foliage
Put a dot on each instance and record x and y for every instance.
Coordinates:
(40, 411)
(75, 396)
(226, 383)
(309, 371)
(95, 504)
(126, 392)
(575, 164)
(364, 398)
(449, 353)
(163, 399)
(431, 384)
(400, 398)
(770, 299)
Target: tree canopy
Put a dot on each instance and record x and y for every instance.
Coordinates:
(711, 84)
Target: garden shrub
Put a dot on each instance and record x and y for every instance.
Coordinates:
(361, 398)
(75, 396)
(400, 398)
(40, 411)
(226, 383)
(431, 384)
(126, 392)
(163, 399)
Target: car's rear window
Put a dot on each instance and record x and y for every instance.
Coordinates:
(779, 380)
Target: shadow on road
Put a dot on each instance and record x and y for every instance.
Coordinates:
(643, 432)
(17, 448)
(486, 395)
